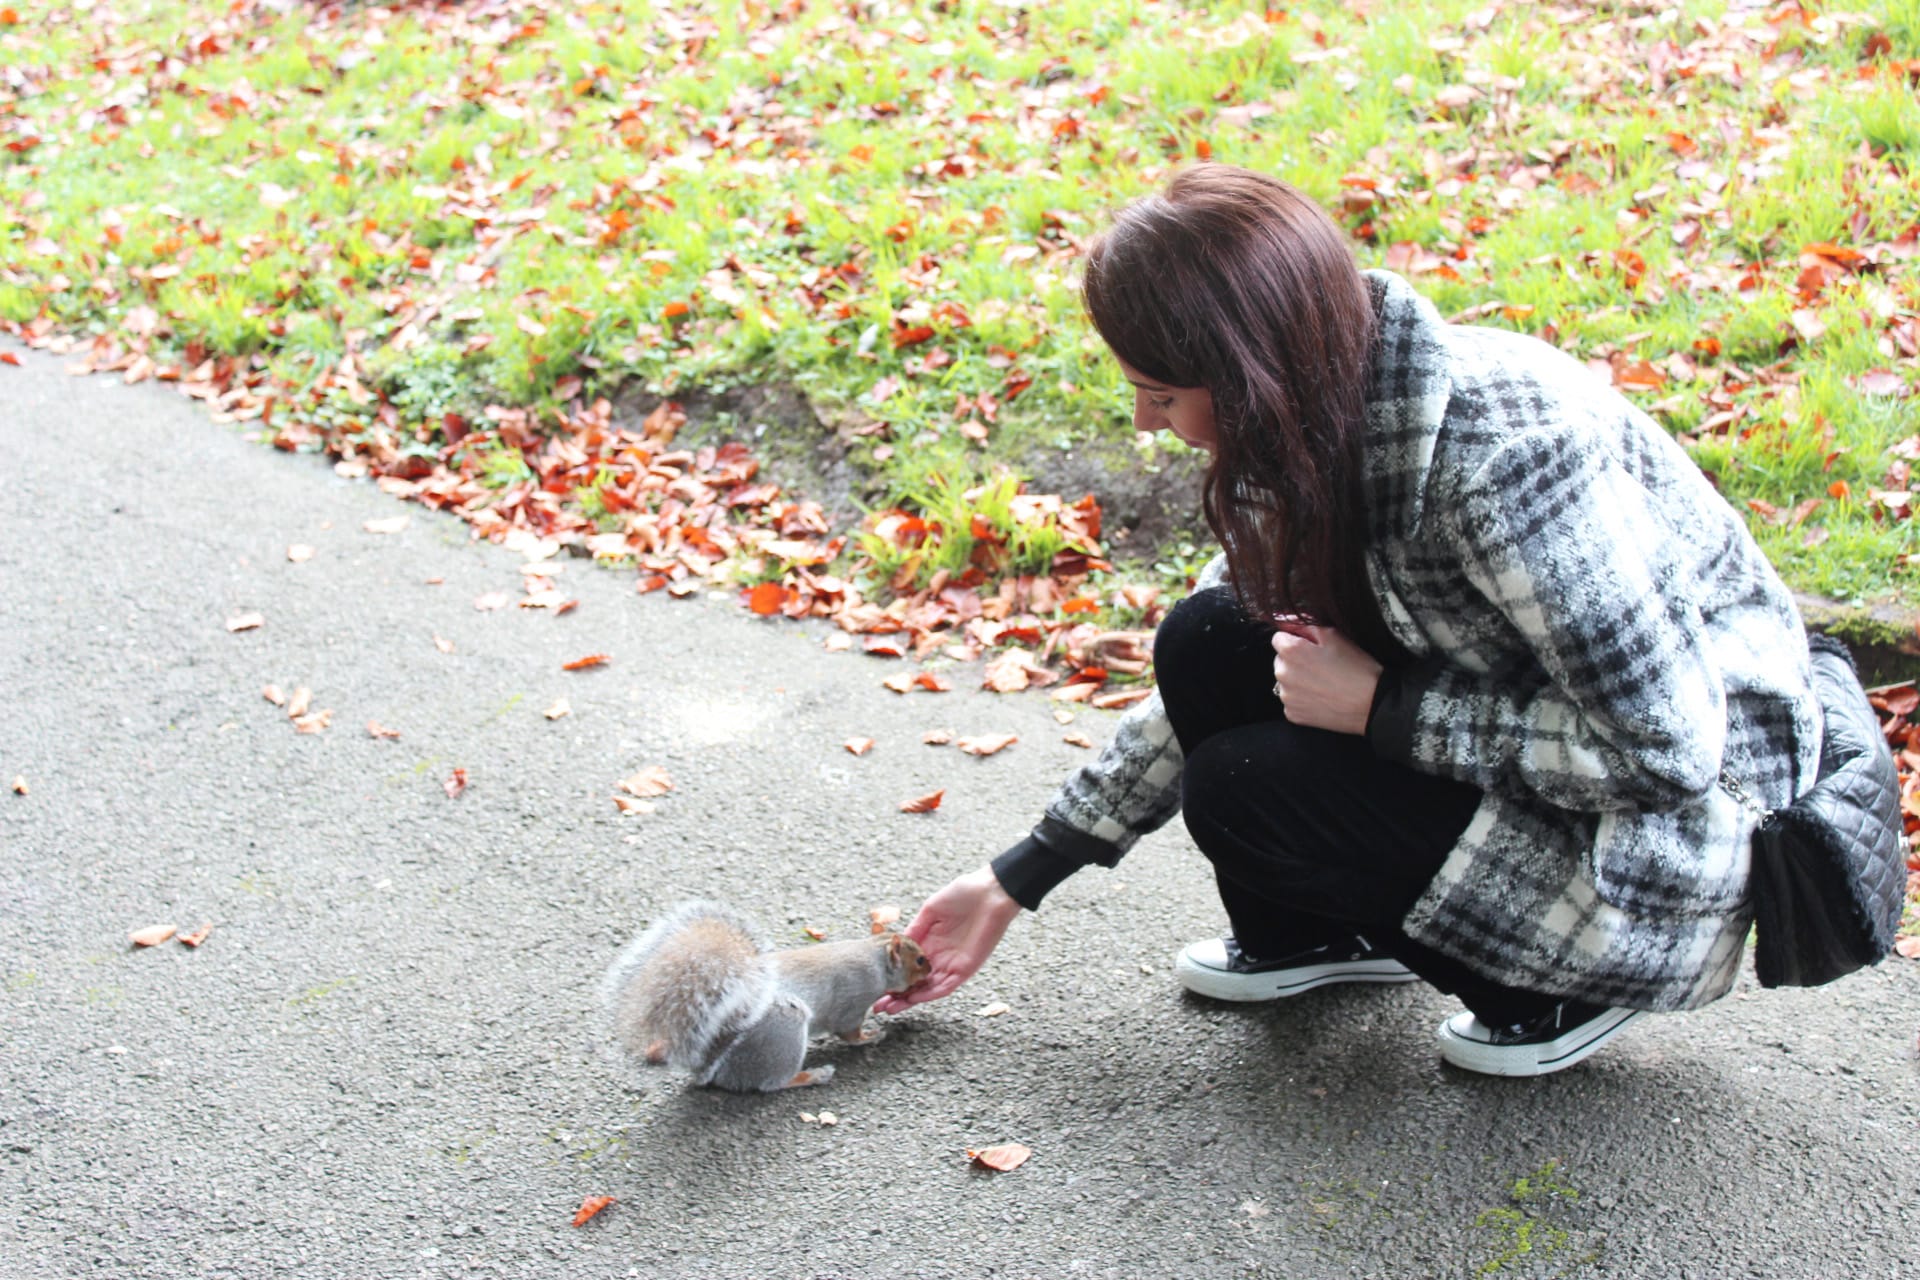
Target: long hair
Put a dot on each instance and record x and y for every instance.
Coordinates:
(1236, 282)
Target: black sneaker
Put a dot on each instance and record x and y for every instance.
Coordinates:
(1218, 968)
(1557, 1039)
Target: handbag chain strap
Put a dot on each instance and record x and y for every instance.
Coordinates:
(1746, 799)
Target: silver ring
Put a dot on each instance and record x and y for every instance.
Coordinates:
(1277, 693)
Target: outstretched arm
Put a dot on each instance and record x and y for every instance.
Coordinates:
(958, 929)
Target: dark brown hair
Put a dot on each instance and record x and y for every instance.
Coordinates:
(1236, 282)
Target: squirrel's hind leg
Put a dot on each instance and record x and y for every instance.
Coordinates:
(767, 1056)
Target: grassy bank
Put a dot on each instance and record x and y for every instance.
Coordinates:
(437, 233)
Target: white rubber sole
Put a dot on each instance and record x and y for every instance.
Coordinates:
(1460, 1044)
(1278, 984)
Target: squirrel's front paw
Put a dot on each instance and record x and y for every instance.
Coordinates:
(865, 1033)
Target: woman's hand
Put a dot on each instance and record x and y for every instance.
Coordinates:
(958, 929)
(1325, 680)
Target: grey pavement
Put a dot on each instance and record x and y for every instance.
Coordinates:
(381, 1063)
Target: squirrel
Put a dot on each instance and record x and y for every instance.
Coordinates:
(701, 991)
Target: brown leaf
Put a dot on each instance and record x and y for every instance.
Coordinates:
(766, 598)
(377, 730)
(590, 1206)
(1007, 1156)
(153, 935)
(299, 553)
(628, 805)
(455, 784)
(988, 744)
(937, 737)
(650, 781)
(297, 705)
(858, 746)
(245, 622)
(817, 934)
(197, 937)
(1076, 739)
(313, 722)
(884, 917)
(581, 664)
(925, 804)
(1121, 698)
(387, 524)
(273, 694)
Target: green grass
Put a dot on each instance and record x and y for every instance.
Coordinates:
(717, 194)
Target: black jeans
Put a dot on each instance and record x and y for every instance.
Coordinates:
(1312, 837)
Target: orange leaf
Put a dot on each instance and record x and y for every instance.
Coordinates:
(1080, 604)
(1007, 1156)
(1840, 489)
(988, 744)
(1076, 739)
(377, 730)
(590, 1206)
(885, 647)
(649, 782)
(911, 335)
(197, 937)
(925, 804)
(153, 935)
(7, 357)
(456, 783)
(766, 598)
(674, 310)
(858, 746)
(581, 664)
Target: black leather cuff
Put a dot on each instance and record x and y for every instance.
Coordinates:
(1396, 704)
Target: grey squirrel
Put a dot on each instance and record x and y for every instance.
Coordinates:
(701, 990)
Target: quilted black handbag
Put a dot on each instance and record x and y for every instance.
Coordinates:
(1829, 875)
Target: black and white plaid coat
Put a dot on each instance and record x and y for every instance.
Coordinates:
(1596, 636)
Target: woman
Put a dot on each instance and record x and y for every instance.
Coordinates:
(1490, 646)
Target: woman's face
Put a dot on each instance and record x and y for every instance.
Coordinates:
(1185, 411)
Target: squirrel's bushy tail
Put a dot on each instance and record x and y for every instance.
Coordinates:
(685, 988)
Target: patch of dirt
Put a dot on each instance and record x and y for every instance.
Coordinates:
(1146, 501)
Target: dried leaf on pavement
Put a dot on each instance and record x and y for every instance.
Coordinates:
(1076, 739)
(628, 805)
(937, 737)
(1005, 1157)
(197, 937)
(491, 600)
(299, 553)
(377, 730)
(925, 804)
(988, 744)
(19, 784)
(590, 1206)
(647, 783)
(313, 721)
(245, 622)
(559, 708)
(153, 935)
(297, 705)
(387, 524)
(443, 644)
(455, 784)
(273, 693)
(858, 746)
(581, 664)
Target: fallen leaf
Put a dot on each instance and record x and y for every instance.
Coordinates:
(581, 664)
(153, 935)
(993, 1010)
(490, 601)
(925, 804)
(628, 805)
(443, 644)
(299, 553)
(650, 781)
(590, 1206)
(558, 709)
(858, 746)
(818, 935)
(1076, 739)
(884, 917)
(1007, 1156)
(1908, 947)
(197, 937)
(313, 722)
(297, 705)
(273, 694)
(245, 622)
(988, 744)
(1122, 698)
(937, 737)
(19, 784)
(387, 524)
(377, 730)
(455, 784)
(766, 598)
(828, 1119)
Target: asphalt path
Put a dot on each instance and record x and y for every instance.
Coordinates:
(381, 1062)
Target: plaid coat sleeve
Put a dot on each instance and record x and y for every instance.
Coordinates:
(1622, 707)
